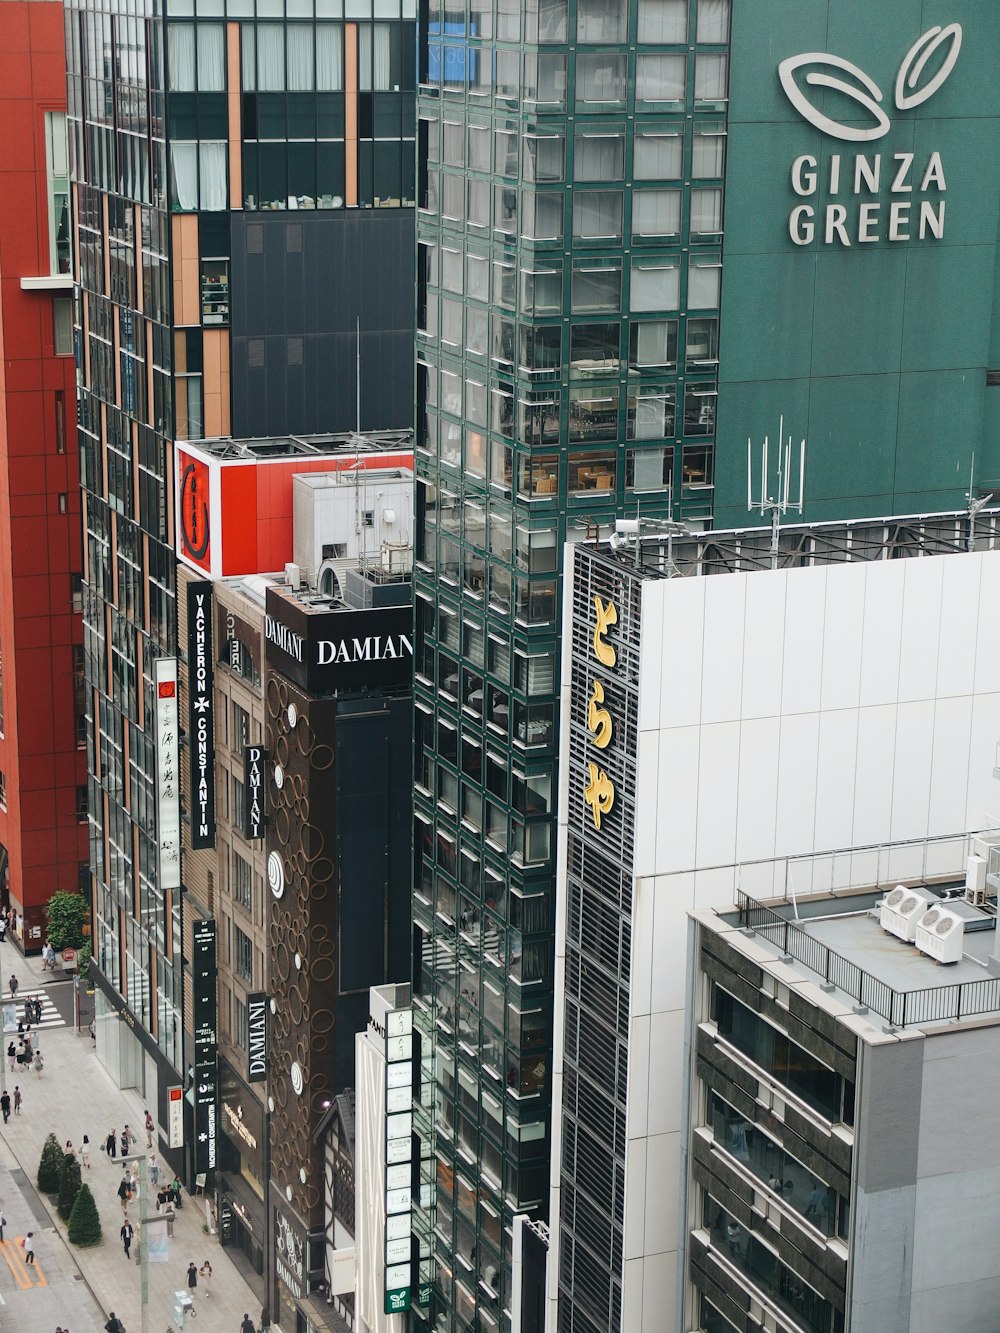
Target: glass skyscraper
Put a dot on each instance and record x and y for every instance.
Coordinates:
(569, 229)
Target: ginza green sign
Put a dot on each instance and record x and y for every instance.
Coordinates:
(397, 1301)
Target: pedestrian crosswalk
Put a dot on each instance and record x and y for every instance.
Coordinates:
(14, 1012)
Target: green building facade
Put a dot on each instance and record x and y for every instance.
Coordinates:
(872, 328)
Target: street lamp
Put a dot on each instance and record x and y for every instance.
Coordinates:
(140, 1166)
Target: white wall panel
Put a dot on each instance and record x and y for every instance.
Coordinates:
(718, 809)
(677, 806)
(801, 665)
(949, 765)
(757, 783)
(763, 632)
(919, 631)
(911, 770)
(956, 667)
(880, 637)
(873, 790)
(988, 629)
(641, 964)
(722, 663)
(665, 1076)
(843, 623)
(683, 637)
(798, 769)
(674, 898)
(655, 675)
(835, 769)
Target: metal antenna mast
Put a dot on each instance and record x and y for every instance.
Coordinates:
(974, 505)
(778, 504)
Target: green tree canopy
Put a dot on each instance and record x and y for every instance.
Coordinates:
(50, 1166)
(84, 1221)
(69, 1184)
(67, 913)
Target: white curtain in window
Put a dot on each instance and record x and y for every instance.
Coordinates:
(365, 57)
(706, 210)
(211, 58)
(598, 157)
(542, 216)
(600, 20)
(248, 58)
(656, 343)
(656, 212)
(654, 418)
(663, 20)
(708, 156)
(655, 286)
(380, 58)
(597, 213)
(545, 78)
(713, 20)
(271, 57)
(180, 57)
(329, 57)
(703, 286)
(184, 176)
(600, 77)
(658, 157)
(661, 78)
(710, 76)
(212, 157)
(300, 57)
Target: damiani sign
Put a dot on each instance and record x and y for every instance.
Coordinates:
(323, 651)
(844, 208)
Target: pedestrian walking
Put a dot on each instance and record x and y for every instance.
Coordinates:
(154, 1169)
(39, 1064)
(150, 1128)
(28, 1246)
(126, 1234)
(111, 1144)
(265, 1320)
(11, 1057)
(114, 1324)
(93, 1032)
(17, 1099)
(3, 1223)
(192, 1279)
(5, 1105)
(124, 1193)
(45, 956)
(12, 985)
(85, 1152)
(127, 1141)
(3, 926)
(69, 1150)
(38, 1012)
(205, 1272)
(247, 1325)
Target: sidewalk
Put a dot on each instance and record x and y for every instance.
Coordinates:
(76, 1096)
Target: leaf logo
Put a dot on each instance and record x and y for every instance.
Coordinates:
(864, 90)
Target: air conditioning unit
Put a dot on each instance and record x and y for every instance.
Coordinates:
(397, 557)
(975, 881)
(941, 934)
(900, 910)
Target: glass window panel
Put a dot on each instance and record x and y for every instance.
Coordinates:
(477, 277)
(478, 210)
(708, 156)
(271, 57)
(545, 20)
(660, 78)
(663, 21)
(479, 147)
(593, 411)
(594, 349)
(658, 157)
(656, 212)
(600, 77)
(596, 289)
(545, 78)
(541, 292)
(706, 211)
(507, 76)
(543, 157)
(597, 214)
(713, 20)
(542, 216)
(648, 469)
(710, 76)
(704, 281)
(591, 472)
(702, 343)
(599, 157)
(330, 58)
(699, 410)
(601, 21)
(211, 58)
(651, 412)
(180, 57)
(653, 343)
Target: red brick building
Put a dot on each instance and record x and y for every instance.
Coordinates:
(43, 829)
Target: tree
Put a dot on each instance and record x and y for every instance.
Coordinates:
(69, 1184)
(84, 1221)
(50, 1166)
(66, 913)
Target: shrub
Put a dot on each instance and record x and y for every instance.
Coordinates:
(84, 1222)
(50, 1166)
(69, 1184)
(66, 914)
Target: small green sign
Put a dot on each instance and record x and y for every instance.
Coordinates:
(424, 1293)
(397, 1300)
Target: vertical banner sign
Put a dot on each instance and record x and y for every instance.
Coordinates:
(175, 1117)
(256, 1037)
(254, 764)
(201, 720)
(168, 805)
(398, 1157)
(206, 1064)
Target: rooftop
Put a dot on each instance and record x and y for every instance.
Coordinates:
(307, 446)
(839, 942)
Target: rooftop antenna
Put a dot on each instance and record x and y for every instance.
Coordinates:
(628, 530)
(974, 506)
(778, 504)
(357, 390)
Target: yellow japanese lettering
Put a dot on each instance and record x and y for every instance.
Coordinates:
(606, 615)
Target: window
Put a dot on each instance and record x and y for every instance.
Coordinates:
(702, 349)
(699, 410)
(81, 803)
(600, 77)
(239, 805)
(242, 884)
(601, 21)
(3, 790)
(62, 325)
(706, 212)
(710, 77)
(651, 413)
(658, 156)
(241, 1027)
(597, 214)
(649, 469)
(704, 281)
(660, 78)
(655, 286)
(599, 157)
(653, 343)
(596, 289)
(57, 168)
(244, 955)
(591, 472)
(241, 727)
(656, 212)
(708, 155)
(663, 21)
(713, 20)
